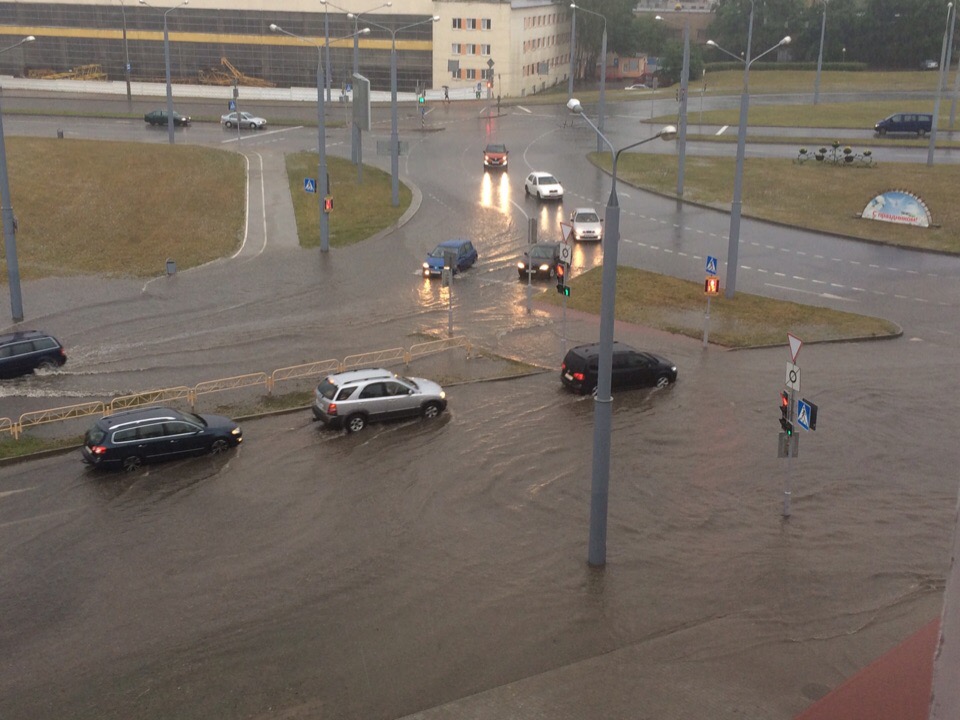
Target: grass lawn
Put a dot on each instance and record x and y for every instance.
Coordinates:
(813, 195)
(678, 306)
(359, 211)
(114, 208)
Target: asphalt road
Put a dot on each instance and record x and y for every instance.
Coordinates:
(437, 570)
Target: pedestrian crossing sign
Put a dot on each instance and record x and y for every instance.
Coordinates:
(711, 265)
(309, 185)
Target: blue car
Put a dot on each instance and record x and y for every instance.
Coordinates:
(463, 251)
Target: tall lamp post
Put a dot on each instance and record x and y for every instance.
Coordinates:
(323, 187)
(682, 124)
(9, 228)
(126, 51)
(603, 71)
(356, 155)
(941, 78)
(603, 402)
(823, 32)
(733, 245)
(394, 135)
(573, 50)
(166, 61)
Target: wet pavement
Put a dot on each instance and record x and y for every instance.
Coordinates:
(433, 570)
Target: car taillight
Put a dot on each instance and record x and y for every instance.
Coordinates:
(98, 449)
(578, 376)
(563, 367)
(332, 409)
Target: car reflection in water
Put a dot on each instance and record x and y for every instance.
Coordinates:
(495, 192)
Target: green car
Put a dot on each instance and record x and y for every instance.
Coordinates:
(159, 117)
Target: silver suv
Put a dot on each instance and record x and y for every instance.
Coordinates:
(354, 398)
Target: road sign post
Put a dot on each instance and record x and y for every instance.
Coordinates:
(711, 287)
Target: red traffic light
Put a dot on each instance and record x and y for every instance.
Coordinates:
(561, 272)
(489, 84)
(711, 286)
(784, 399)
(328, 203)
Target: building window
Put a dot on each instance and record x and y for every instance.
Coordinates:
(455, 49)
(485, 24)
(471, 23)
(471, 49)
(484, 49)
(471, 74)
(458, 23)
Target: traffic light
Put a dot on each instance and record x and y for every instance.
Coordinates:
(328, 204)
(785, 411)
(422, 99)
(562, 279)
(489, 84)
(711, 286)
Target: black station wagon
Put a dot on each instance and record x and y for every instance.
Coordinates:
(131, 438)
(631, 368)
(25, 351)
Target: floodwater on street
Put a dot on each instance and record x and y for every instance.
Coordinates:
(315, 574)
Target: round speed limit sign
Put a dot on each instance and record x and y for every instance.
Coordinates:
(566, 252)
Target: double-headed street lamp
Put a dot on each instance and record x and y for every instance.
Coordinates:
(603, 402)
(573, 50)
(603, 71)
(823, 32)
(394, 135)
(733, 246)
(356, 155)
(945, 51)
(323, 187)
(166, 60)
(9, 228)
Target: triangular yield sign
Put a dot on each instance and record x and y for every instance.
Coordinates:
(795, 344)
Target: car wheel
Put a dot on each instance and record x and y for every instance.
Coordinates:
(663, 381)
(526, 190)
(47, 364)
(431, 410)
(132, 463)
(883, 132)
(356, 423)
(219, 446)
(228, 124)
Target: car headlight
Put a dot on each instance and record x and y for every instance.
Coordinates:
(235, 431)
(521, 265)
(544, 267)
(426, 266)
(443, 395)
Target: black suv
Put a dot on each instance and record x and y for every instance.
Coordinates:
(25, 351)
(631, 368)
(133, 437)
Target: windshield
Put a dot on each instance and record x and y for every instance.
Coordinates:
(587, 217)
(549, 180)
(496, 149)
(540, 253)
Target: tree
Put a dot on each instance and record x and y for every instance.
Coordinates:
(772, 19)
(626, 34)
(671, 63)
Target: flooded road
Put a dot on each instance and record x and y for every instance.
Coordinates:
(421, 564)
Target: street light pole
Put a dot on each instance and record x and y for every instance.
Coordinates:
(941, 79)
(323, 187)
(9, 227)
(126, 52)
(603, 402)
(603, 71)
(573, 51)
(166, 62)
(394, 133)
(733, 244)
(356, 155)
(823, 31)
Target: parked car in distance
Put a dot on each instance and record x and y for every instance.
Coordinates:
(24, 351)
(354, 398)
(544, 185)
(131, 438)
(540, 260)
(631, 368)
(495, 157)
(930, 65)
(914, 123)
(246, 121)
(637, 86)
(586, 224)
(159, 117)
(462, 249)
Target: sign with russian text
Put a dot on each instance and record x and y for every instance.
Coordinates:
(898, 206)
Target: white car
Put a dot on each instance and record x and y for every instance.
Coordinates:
(246, 121)
(586, 224)
(544, 185)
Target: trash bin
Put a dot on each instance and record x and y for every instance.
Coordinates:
(171, 266)
(59, 134)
